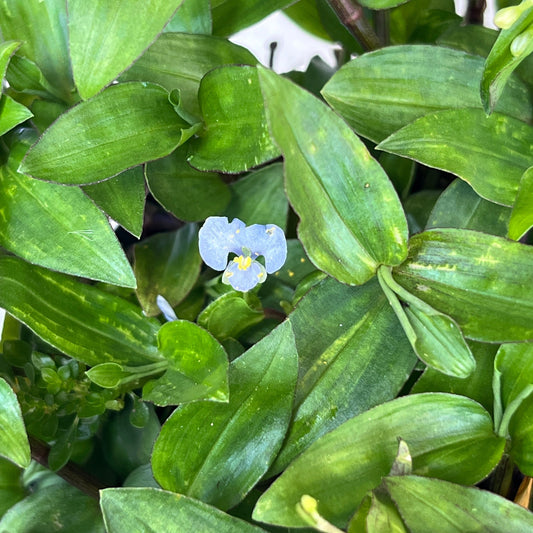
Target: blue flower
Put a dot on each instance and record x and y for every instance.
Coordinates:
(218, 238)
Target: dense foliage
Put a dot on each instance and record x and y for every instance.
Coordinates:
(347, 342)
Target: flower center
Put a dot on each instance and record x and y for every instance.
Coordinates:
(243, 262)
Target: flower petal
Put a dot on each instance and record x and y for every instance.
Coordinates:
(217, 238)
(244, 280)
(268, 241)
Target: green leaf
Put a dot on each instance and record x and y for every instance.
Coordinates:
(460, 207)
(481, 281)
(236, 135)
(230, 16)
(380, 92)
(259, 198)
(521, 431)
(14, 443)
(42, 29)
(435, 505)
(490, 153)
(79, 319)
(167, 264)
(7, 49)
(54, 508)
(198, 366)
(217, 452)
(449, 437)
(125, 509)
(99, 50)
(184, 191)
(122, 198)
(180, 60)
(478, 386)
(84, 146)
(12, 113)
(347, 362)
(501, 62)
(11, 488)
(329, 171)
(57, 227)
(435, 337)
(193, 16)
(522, 215)
(231, 314)
(382, 4)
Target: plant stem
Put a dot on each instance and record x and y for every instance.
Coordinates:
(352, 16)
(71, 473)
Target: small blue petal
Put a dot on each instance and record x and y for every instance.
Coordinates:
(217, 238)
(244, 280)
(268, 241)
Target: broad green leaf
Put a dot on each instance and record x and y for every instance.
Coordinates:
(501, 62)
(259, 198)
(198, 366)
(297, 265)
(230, 16)
(167, 264)
(184, 191)
(236, 135)
(42, 28)
(478, 386)
(231, 314)
(7, 49)
(347, 362)
(449, 437)
(85, 146)
(57, 227)
(159, 511)
(122, 198)
(377, 514)
(435, 337)
(11, 488)
(105, 38)
(217, 452)
(193, 16)
(460, 207)
(79, 319)
(382, 4)
(521, 431)
(435, 505)
(380, 92)
(480, 280)
(329, 171)
(471, 38)
(305, 14)
(522, 215)
(54, 508)
(45, 113)
(14, 443)
(180, 61)
(490, 153)
(12, 113)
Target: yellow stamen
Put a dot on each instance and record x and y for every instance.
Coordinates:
(243, 262)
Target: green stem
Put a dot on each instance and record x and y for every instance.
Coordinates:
(352, 16)
(497, 393)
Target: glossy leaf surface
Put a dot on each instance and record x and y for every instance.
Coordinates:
(217, 452)
(98, 50)
(234, 115)
(197, 370)
(167, 264)
(348, 362)
(465, 142)
(122, 198)
(481, 281)
(449, 437)
(13, 439)
(80, 320)
(57, 227)
(522, 215)
(125, 509)
(12, 113)
(521, 432)
(329, 171)
(7, 49)
(380, 92)
(435, 505)
(193, 16)
(144, 126)
(181, 60)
